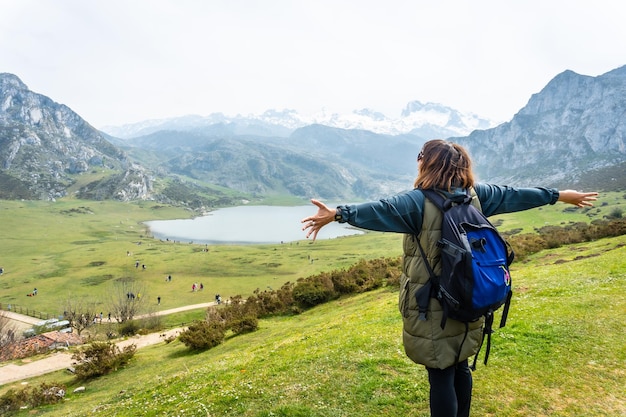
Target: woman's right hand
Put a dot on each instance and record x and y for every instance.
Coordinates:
(320, 219)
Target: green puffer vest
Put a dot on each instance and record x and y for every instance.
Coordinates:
(425, 342)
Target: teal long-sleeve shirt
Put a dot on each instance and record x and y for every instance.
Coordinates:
(402, 213)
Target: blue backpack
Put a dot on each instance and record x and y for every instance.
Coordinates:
(475, 279)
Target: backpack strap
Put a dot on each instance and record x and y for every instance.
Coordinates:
(444, 203)
(424, 294)
(505, 309)
(430, 290)
(487, 331)
(432, 287)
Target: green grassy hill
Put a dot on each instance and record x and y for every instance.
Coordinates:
(79, 249)
(563, 353)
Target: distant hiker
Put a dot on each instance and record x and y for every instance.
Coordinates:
(143, 266)
(136, 264)
(1, 271)
(201, 286)
(35, 292)
(159, 300)
(109, 316)
(445, 167)
(193, 287)
(169, 278)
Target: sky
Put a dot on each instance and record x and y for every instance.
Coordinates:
(116, 62)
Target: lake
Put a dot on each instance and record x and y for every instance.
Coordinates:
(246, 225)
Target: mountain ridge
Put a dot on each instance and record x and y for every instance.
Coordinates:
(416, 118)
(45, 144)
(570, 131)
(573, 126)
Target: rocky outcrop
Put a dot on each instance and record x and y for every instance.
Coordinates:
(44, 145)
(576, 124)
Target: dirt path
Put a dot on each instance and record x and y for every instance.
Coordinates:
(61, 360)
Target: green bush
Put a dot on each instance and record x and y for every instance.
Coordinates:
(129, 328)
(35, 396)
(244, 324)
(151, 323)
(526, 244)
(274, 301)
(13, 399)
(616, 213)
(101, 358)
(202, 335)
(314, 290)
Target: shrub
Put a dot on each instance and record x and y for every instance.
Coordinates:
(13, 399)
(274, 301)
(35, 396)
(101, 358)
(202, 335)
(244, 324)
(314, 291)
(616, 213)
(526, 244)
(129, 328)
(152, 323)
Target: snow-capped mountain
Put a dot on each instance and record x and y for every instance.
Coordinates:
(422, 119)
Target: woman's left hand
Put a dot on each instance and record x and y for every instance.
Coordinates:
(577, 198)
(314, 223)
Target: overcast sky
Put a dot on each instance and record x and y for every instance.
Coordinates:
(123, 61)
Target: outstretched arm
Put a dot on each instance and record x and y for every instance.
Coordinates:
(577, 198)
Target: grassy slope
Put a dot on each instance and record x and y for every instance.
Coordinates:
(79, 249)
(562, 354)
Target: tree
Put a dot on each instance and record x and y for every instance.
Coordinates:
(127, 299)
(8, 332)
(80, 312)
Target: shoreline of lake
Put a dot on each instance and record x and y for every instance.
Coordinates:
(245, 225)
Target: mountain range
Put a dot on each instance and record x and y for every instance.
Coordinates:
(421, 119)
(570, 133)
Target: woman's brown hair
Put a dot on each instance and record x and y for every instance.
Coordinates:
(444, 165)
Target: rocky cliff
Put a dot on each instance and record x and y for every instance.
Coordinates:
(574, 126)
(45, 147)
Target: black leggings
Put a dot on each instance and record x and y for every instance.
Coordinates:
(450, 390)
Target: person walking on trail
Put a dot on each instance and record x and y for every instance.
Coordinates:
(445, 167)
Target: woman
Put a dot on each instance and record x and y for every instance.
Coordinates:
(447, 168)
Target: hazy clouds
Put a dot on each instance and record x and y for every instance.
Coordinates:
(123, 61)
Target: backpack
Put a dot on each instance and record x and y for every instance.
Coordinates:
(475, 279)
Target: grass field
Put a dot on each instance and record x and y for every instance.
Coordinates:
(73, 249)
(80, 249)
(563, 352)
